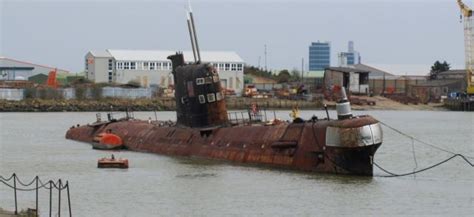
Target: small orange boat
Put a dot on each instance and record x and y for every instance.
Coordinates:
(112, 163)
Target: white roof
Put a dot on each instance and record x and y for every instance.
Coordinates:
(100, 53)
(161, 55)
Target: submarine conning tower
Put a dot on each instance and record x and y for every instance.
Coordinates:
(199, 95)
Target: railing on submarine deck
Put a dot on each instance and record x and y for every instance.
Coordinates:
(114, 116)
(249, 116)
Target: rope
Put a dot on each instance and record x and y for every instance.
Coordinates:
(423, 142)
(42, 184)
(414, 155)
(391, 174)
(26, 185)
(22, 189)
(4, 179)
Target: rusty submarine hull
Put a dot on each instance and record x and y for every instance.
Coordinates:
(329, 146)
(204, 128)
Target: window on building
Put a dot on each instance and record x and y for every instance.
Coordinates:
(87, 64)
(227, 67)
(145, 66)
(152, 66)
(133, 65)
(126, 65)
(110, 64)
(202, 99)
(363, 78)
(233, 67)
(119, 65)
(221, 67)
(211, 97)
(239, 67)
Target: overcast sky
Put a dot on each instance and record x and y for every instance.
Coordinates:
(403, 36)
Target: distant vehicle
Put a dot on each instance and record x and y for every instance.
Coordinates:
(229, 92)
(456, 95)
(250, 91)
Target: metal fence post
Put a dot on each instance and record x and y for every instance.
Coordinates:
(59, 197)
(14, 190)
(50, 198)
(37, 179)
(68, 198)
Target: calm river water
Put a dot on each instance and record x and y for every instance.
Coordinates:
(33, 144)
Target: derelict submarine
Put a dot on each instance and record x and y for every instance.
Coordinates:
(204, 129)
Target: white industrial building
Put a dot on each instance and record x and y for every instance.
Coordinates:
(150, 67)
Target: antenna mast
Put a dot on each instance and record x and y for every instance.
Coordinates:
(191, 36)
(193, 32)
(265, 46)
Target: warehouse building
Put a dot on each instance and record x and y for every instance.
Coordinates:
(354, 80)
(151, 67)
(12, 69)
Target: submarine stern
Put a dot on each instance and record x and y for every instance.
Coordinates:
(351, 146)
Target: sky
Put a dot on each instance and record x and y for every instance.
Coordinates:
(404, 37)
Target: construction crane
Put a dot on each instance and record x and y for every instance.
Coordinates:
(467, 18)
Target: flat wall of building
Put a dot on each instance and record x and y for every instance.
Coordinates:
(70, 93)
(97, 68)
(232, 80)
(11, 94)
(268, 86)
(145, 77)
(117, 92)
(391, 85)
(332, 79)
(335, 79)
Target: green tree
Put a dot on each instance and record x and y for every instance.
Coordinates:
(30, 93)
(96, 92)
(437, 68)
(283, 76)
(81, 92)
(295, 75)
(252, 70)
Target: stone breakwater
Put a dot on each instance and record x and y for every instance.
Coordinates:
(79, 105)
(158, 104)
